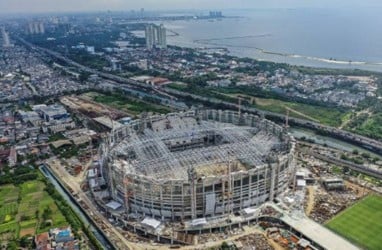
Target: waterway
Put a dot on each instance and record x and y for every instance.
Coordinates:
(318, 37)
(329, 141)
(295, 131)
(101, 238)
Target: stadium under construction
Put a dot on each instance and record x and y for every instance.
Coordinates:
(197, 164)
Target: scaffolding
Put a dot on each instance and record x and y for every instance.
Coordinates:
(173, 165)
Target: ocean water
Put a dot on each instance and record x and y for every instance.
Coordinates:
(341, 38)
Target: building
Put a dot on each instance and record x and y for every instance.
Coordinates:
(333, 184)
(150, 36)
(41, 28)
(158, 81)
(12, 159)
(57, 239)
(215, 14)
(30, 117)
(161, 36)
(42, 241)
(62, 234)
(54, 114)
(196, 164)
(34, 28)
(155, 36)
(30, 28)
(5, 36)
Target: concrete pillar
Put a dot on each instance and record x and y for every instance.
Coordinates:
(193, 198)
(223, 193)
(204, 198)
(241, 191)
(172, 202)
(183, 206)
(161, 197)
(273, 180)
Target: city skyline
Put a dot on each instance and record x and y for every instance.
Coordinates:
(41, 6)
(196, 124)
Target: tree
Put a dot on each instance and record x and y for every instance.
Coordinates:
(25, 242)
(47, 213)
(12, 245)
(84, 76)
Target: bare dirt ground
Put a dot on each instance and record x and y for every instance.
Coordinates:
(27, 231)
(310, 201)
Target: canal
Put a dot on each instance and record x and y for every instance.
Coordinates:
(298, 133)
(97, 233)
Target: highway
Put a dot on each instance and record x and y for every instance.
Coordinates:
(336, 161)
(368, 143)
(365, 142)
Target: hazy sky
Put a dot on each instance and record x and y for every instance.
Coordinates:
(26, 6)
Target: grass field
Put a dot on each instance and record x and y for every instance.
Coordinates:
(327, 116)
(361, 223)
(21, 210)
(368, 125)
(127, 104)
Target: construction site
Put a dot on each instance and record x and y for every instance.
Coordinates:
(206, 178)
(89, 108)
(210, 178)
(197, 164)
(329, 188)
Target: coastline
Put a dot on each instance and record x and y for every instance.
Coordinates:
(265, 43)
(207, 42)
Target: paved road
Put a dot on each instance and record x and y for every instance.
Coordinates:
(366, 142)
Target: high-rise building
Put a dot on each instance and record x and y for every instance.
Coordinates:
(6, 41)
(155, 36)
(35, 28)
(161, 34)
(150, 36)
(216, 14)
(142, 13)
(41, 28)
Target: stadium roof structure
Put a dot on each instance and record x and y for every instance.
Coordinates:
(172, 146)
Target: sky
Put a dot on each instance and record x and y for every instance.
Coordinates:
(41, 6)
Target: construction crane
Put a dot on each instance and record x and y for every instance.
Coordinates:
(288, 110)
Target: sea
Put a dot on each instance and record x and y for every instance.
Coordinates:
(330, 38)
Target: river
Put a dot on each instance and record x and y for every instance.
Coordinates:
(329, 141)
(101, 238)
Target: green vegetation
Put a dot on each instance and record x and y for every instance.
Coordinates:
(67, 151)
(93, 61)
(56, 137)
(263, 100)
(357, 160)
(328, 116)
(337, 170)
(73, 219)
(31, 207)
(367, 125)
(22, 210)
(128, 104)
(20, 175)
(99, 40)
(180, 87)
(361, 223)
